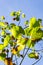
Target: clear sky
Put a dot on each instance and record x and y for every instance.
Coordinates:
(32, 8)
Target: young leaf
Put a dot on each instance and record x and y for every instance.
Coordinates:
(3, 33)
(13, 13)
(18, 13)
(2, 17)
(23, 15)
(33, 55)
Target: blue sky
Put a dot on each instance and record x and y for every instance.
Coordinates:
(32, 8)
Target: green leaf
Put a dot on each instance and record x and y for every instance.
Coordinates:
(17, 18)
(21, 30)
(2, 24)
(20, 47)
(2, 56)
(26, 22)
(27, 31)
(30, 44)
(3, 33)
(13, 13)
(36, 33)
(12, 25)
(33, 55)
(6, 40)
(11, 42)
(40, 20)
(18, 13)
(23, 15)
(17, 31)
(2, 17)
(2, 39)
(1, 46)
(33, 23)
(21, 41)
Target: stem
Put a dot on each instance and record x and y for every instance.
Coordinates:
(19, 22)
(37, 61)
(16, 60)
(24, 50)
(7, 53)
(24, 57)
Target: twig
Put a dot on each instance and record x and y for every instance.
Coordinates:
(16, 60)
(37, 61)
(24, 50)
(24, 57)
(12, 56)
(35, 50)
(26, 27)
(19, 22)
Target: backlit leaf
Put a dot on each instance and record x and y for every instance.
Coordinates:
(6, 40)
(33, 55)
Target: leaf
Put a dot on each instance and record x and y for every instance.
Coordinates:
(17, 31)
(18, 13)
(36, 33)
(14, 32)
(2, 17)
(2, 56)
(33, 55)
(30, 43)
(26, 22)
(14, 51)
(6, 40)
(13, 13)
(3, 33)
(23, 15)
(2, 39)
(2, 24)
(12, 25)
(1, 46)
(20, 47)
(17, 18)
(27, 31)
(33, 23)
(40, 21)
(21, 41)
(21, 30)
(11, 42)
